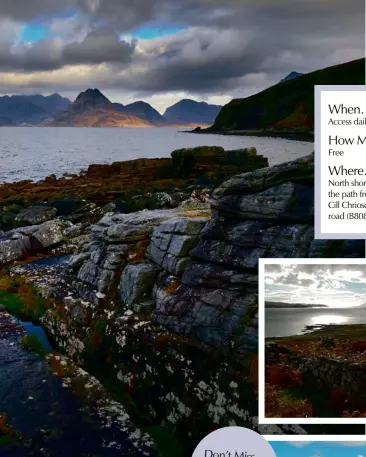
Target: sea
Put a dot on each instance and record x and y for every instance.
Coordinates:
(292, 321)
(36, 152)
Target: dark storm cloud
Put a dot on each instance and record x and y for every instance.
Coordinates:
(228, 46)
(266, 38)
(273, 268)
(313, 14)
(128, 13)
(201, 61)
(99, 46)
(51, 54)
(33, 9)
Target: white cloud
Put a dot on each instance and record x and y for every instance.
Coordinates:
(300, 443)
(332, 285)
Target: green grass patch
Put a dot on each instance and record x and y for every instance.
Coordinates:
(28, 306)
(321, 408)
(33, 343)
(167, 443)
(8, 441)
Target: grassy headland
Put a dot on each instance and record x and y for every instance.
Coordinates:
(287, 108)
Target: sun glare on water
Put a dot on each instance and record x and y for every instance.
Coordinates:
(324, 319)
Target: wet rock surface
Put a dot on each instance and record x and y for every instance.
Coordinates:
(20, 243)
(52, 421)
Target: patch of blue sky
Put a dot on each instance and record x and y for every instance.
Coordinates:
(40, 30)
(33, 33)
(357, 287)
(148, 33)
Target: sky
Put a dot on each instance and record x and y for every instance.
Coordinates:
(164, 50)
(338, 286)
(319, 449)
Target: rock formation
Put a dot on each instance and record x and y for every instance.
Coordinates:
(162, 304)
(126, 182)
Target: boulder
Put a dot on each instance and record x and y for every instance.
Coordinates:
(14, 248)
(288, 201)
(172, 242)
(49, 233)
(299, 170)
(137, 282)
(22, 242)
(189, 159)
(35, 215)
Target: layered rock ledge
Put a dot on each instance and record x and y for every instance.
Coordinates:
(162, 304)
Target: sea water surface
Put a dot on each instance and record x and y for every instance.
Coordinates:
(292, 321)
(36, 152)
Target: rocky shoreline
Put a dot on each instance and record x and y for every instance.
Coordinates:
(157, 297)
(307, 136)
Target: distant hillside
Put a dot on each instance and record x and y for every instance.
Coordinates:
(52, 104)
(191, 112)
(30, 109)
(142, 110)
(288, 105)
(272, 304)
(92, 109)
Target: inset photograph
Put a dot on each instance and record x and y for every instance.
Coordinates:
(312, 357)
(319, 448)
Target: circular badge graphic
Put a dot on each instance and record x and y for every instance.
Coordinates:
(234, 442)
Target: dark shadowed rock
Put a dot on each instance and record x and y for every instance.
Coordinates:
(137, 282)
(35, 215)
(300, 170)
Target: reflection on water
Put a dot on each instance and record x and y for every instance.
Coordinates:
(37, 152)
(54, 261)
(325, 319)
(292, 321)
(37, 330)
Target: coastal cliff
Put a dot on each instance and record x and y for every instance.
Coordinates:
(287, 108)
(161, 305)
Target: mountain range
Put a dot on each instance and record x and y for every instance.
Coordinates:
(30, 109)
(286, 106)
(93, 109)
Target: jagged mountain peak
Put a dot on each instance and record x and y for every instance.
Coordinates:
(91, 98)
